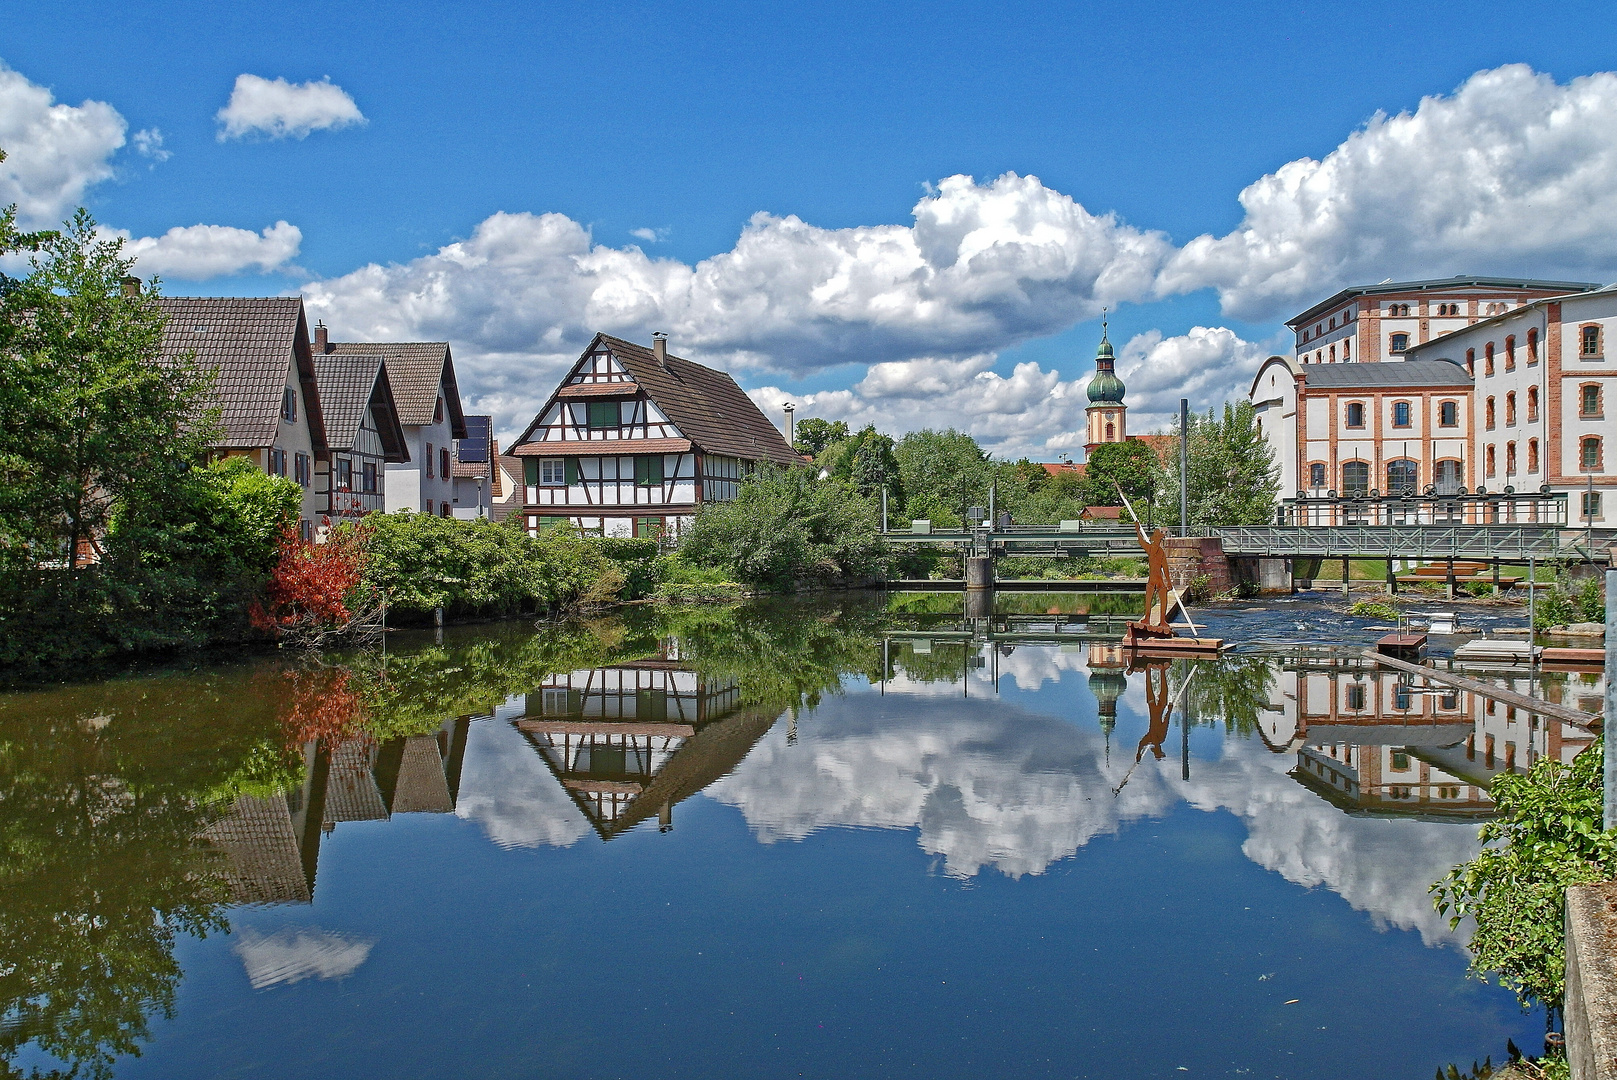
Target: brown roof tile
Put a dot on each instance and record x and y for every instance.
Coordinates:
(707, 406)
(416, 369)
(250, 341)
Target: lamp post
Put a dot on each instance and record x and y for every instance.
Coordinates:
(791, 429)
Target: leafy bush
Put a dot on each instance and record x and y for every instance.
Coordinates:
(420, 563)
(636, 559)
(787, 527)
(1547, 836)
(317, 592)
(683, 582)
(1375, 609)
(1562, 604)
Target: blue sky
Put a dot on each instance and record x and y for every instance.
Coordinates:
(682, 122)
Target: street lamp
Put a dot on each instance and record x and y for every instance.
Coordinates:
(791, 431)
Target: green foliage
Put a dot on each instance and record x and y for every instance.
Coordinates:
(636, 559)
(182, 564)
(866, 463)
(1547, 836)
(1233, 478)
(1130, 465)
(1565, 603)
(813, 435)
(785, 527)
(683, 582)
(1375, 609)
(945, 473)
(421, 562)
(90, 413)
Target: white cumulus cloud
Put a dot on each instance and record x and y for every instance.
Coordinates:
(54, 151)
(1511, 173)
(279, 109)
(198, 252)
(650, 236)
(149, 143)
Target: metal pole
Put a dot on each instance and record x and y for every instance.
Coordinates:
(1184, 466)
(1611, 699)
(991, 521)
(884, 509)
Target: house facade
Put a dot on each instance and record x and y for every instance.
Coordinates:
(1542, 372)
(506, 481)
(362, 431)
(472, 480)
(635, 439)
(1356, 428)
(266, 387)
(1369, 323)
(422, 377)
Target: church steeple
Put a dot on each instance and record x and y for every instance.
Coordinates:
(1107, 413)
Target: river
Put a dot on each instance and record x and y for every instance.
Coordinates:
(837, 837)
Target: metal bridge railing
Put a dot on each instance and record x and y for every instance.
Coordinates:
(1429, 508)
(1513, 542)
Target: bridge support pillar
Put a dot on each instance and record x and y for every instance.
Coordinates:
(1392, 579)
(979, 604)
(1452, 584)
(1347, 577)
(979, 572)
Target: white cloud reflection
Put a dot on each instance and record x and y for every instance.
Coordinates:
(294, 954)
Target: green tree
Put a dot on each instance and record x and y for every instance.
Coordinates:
(90, 413)
(786, 526)
(813, 435)
(1233, 478)
(944, 474)
(866, 462)
(1130, 465)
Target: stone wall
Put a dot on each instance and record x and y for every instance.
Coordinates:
(1590, 1012)
(1192, 556)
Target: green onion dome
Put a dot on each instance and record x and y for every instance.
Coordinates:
(1105, 386)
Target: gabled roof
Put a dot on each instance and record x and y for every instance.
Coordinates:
(706, 405)
(1507, 316)
(1459, 281)
(416, 369)
(1410, 373)
(351, 383)
(249, 341)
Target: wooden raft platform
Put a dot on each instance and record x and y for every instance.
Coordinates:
(1405, 646)
(1563, 659)
(1174, 646)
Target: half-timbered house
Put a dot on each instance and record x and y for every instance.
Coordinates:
(635, 439)
(362, 430)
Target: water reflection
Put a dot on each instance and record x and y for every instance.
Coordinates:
(137, 811)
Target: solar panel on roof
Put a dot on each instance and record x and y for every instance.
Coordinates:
(474, 447)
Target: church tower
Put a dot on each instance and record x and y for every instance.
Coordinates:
(1107, 413)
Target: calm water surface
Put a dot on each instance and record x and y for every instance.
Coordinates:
(820, 839)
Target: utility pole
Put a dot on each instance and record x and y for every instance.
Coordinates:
(1610, 815)
(1184, 466)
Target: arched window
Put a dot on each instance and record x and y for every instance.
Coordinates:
(1510, 352)
(1589, 339)
(1591, 505)
(1589, 453)
(1111, 432)
(1448, 477)
(1403, 477)
(1319, 358)
(1471, 362)
(1400, 414)
(1333, 354)
(1532, 404)
(1355, 414)
(1347, 350)
(1448, 414)
(1510, 459)
(1510, 408)
(1532, 345)
(1356, 478)
(1488, 460)
(1316, 474)
(1532, 455)
(1400, 343)
(1487, 413)
(1333, 322)
(1487, 359)
(1589, 401)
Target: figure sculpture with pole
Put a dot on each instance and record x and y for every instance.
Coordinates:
(1154, 629)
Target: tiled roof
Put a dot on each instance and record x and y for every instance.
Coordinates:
(506, 499)
(350, 384)
(706, 405)
(262, 861)
(1459, 281)
(1439, 373)
(250, 341)
(591, 447)
(416, 369)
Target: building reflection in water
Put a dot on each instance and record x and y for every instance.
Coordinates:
(271, 843)
(632, 740)
(1370, 740)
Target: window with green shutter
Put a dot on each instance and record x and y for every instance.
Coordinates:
(572, 471)
(530, 469)
(604, 414)
(648, 470)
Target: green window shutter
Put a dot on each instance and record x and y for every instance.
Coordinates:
(604, 414)
(572, 470)
(648, 469)
(530, 469)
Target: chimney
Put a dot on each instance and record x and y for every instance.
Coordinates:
(131, 286)
(320, 343)
(659, 348)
